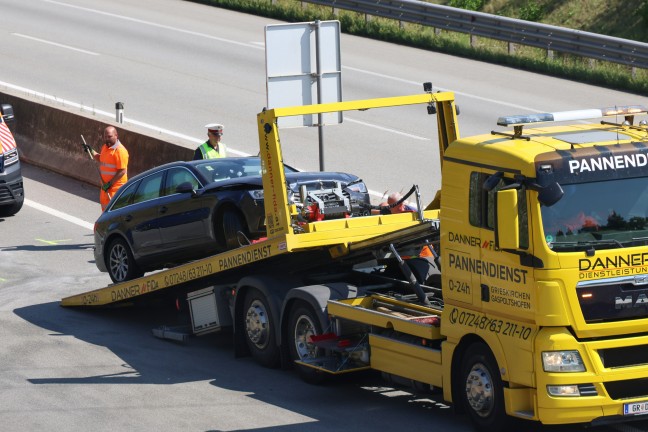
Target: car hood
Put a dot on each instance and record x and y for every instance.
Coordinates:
(293, 179)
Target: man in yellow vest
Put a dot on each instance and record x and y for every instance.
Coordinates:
(212, 148)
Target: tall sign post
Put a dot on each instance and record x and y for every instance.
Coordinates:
(303, 67)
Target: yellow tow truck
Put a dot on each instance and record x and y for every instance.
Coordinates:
(540, 310)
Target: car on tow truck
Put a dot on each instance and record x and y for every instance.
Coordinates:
(182, 211)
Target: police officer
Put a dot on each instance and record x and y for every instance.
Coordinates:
(212, 148)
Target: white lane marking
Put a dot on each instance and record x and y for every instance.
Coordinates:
(261, 46)
(55, 44)
(419, 84)
(59, 214)
(152, 24)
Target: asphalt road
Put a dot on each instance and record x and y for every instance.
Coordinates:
(70, 369)
(177, 66)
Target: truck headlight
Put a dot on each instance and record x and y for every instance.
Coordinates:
(562, 361)
(563, 390)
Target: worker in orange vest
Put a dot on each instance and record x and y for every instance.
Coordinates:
(113, 165)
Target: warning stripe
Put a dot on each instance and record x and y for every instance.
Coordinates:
(6, 139)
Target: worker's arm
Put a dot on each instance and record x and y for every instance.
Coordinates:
(119, 174)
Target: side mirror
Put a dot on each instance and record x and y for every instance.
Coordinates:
(184, 187)
(507, 235)
(493, 181)
(550, 194)
(7, 113)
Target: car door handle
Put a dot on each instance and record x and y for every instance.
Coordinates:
(128, 218)
(163, 209)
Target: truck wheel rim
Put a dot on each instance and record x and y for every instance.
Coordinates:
(118, 262)
(479, 390)
(256, 324)
(304, 329)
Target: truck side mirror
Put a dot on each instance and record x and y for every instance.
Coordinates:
(507, 235)
(550, 194)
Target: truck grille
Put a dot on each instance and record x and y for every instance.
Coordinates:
(627, 389)
(614, 299)
(9, 192)
(624, 356)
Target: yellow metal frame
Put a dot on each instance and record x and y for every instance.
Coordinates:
(278, 216)
(335, 235)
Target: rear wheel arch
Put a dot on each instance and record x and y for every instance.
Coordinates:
(496, 349)
(120, 261)
(317, 297)
(109, 240)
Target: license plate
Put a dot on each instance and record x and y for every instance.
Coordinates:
(636, 408)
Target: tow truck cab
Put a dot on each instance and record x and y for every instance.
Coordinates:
(12, 193)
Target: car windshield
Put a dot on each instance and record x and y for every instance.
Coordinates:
(598, 215)
(216, 170)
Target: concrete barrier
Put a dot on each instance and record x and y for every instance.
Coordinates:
(49, 136)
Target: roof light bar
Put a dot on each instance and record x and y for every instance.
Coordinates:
(586, 114)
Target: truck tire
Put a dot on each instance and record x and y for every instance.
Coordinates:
(120, 261)
(232, 223)
(11, 209)
(481, 390)
(259, 329)
(303, 324)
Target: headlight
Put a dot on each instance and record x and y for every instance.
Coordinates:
(563, 390)
(562, 361)
(358, 187)
(256, 194)
(11, 157)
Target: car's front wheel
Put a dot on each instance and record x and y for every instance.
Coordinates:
(231, 224)
(120, 261)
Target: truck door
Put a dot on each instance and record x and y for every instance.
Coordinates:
(505, 277)
(460, 232)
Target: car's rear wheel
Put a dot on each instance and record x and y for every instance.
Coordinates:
(231, 224)
(120, 261)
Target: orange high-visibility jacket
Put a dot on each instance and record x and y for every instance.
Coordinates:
(112, 159)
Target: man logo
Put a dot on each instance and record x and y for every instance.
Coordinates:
(628, 302)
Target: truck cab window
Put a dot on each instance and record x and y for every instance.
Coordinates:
(482, 205)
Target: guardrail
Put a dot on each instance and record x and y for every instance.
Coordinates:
(513, 31)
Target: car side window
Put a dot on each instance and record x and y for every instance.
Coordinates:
(125, 197)
(149, 188)
(177, 176)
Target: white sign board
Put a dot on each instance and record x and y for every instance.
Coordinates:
(292, 52)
